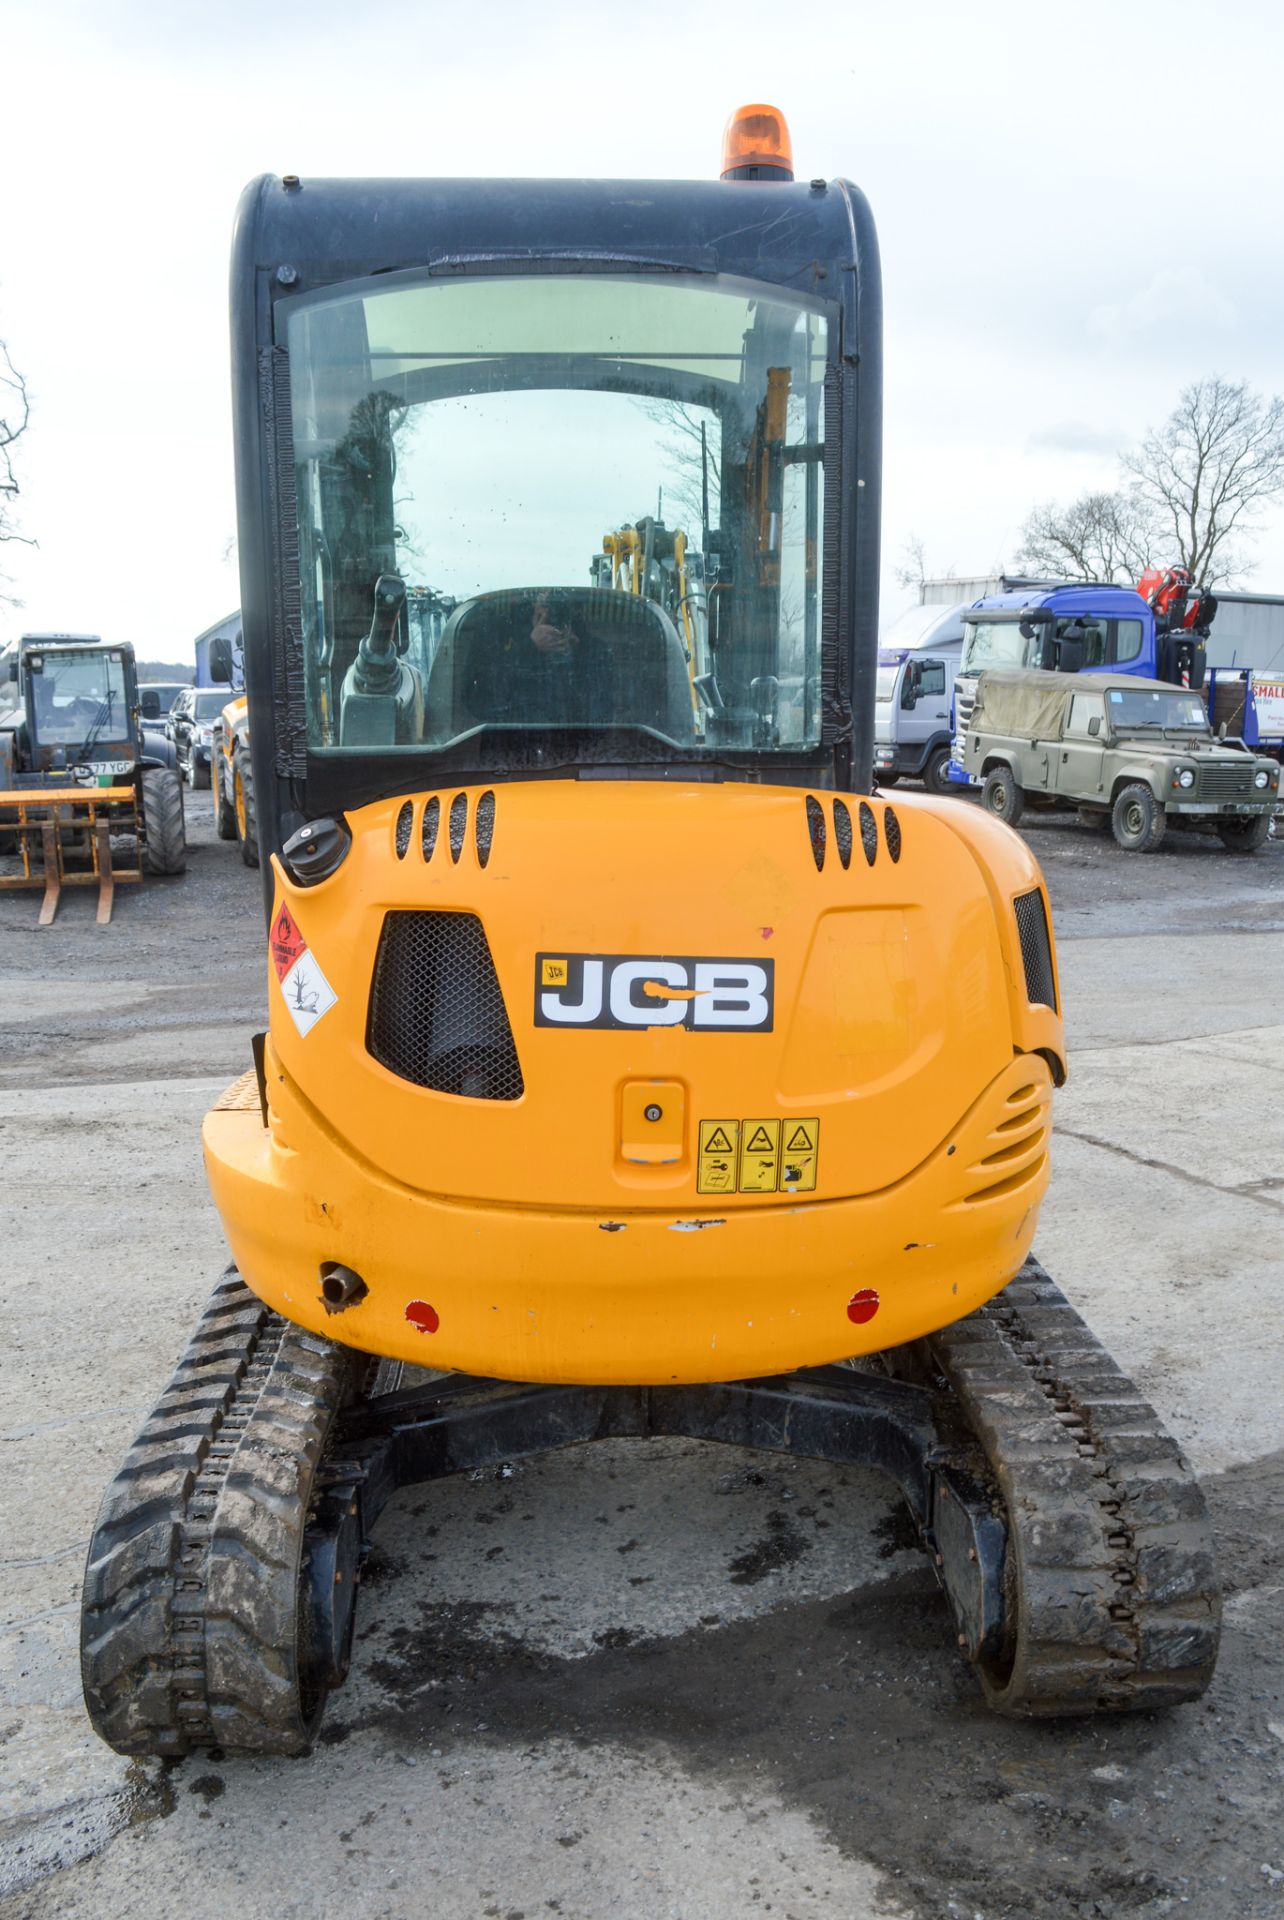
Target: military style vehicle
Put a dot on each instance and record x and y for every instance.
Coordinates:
(1133, 755)
(633, 1066)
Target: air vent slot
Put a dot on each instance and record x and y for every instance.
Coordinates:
(428, 832)
(484, 827)
(843, 833)
(816, 830)
(868, 832)
(437, 1016)
(892, 833)
(405, 821)
(1036, 949)
(458, 822)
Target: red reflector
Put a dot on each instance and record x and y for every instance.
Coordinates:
(421, 1315)
(862, 1306)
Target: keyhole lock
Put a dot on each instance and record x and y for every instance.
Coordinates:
(653, 1112)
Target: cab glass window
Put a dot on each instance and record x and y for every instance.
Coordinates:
(78, 697)
(931, 677)
(1083, 708)
(1091, 634)
(553, 502)
(885, 678)
(1136, 709)
(999, 643)
(1127, 639)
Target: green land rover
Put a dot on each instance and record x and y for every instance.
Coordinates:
(1135, 755)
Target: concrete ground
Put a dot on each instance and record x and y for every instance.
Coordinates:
(651, 1680)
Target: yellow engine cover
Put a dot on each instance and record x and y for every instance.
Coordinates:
(646, 1081)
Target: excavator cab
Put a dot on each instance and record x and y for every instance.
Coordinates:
(631, 1062)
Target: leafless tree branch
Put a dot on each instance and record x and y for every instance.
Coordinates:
(15, 417)
(911, 570)
(1208, 472)
(1100, 536)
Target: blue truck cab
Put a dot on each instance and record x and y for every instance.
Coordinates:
(1079, 627)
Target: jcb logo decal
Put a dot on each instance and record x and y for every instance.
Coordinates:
(629, 990)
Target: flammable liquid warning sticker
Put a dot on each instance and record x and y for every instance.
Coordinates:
(716, 1166)
(306, 991)
(286, 942)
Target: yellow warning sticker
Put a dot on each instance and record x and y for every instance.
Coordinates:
(552, 973)
(799, 1156)
(759, 1156)
(716, 1169)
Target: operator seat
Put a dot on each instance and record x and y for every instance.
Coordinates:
(628, 668)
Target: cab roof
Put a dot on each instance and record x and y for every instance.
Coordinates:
(793, 234)
(1083, 597)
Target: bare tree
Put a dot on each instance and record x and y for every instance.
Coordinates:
(911, 569)
(693, 455)
(1208, 472)
(1099, 536)
(15, 418)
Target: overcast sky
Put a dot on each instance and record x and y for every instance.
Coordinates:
(1079, 209)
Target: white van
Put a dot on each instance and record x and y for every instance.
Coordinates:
(918, 657)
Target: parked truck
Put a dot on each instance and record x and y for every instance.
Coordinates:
(918, 657)
(1248, 705)
(1079, 627)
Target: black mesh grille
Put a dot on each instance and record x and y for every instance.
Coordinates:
(428, 832)
(484, 827)
(1036, 949)
(816, 830)
(843, 832)
(868, 833)
(405, 821)
(437, 1015)
(458, 821)
(892, 833)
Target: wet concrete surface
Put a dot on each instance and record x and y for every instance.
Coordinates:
(651, 1679)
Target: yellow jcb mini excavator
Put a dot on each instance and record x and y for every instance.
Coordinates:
(631, 1063)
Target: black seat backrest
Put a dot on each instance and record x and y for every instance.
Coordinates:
(627, 667)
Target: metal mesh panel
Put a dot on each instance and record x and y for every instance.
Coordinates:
(816, 830)
(405, 821)
(843, 832)
(428, 831)
(868, 833)
(892, 833)
(484, 827)
(1036, 949)
(458, 821)
(437, 1016)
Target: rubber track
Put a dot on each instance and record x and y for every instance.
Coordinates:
(189, 1627)
(1110, 1558)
